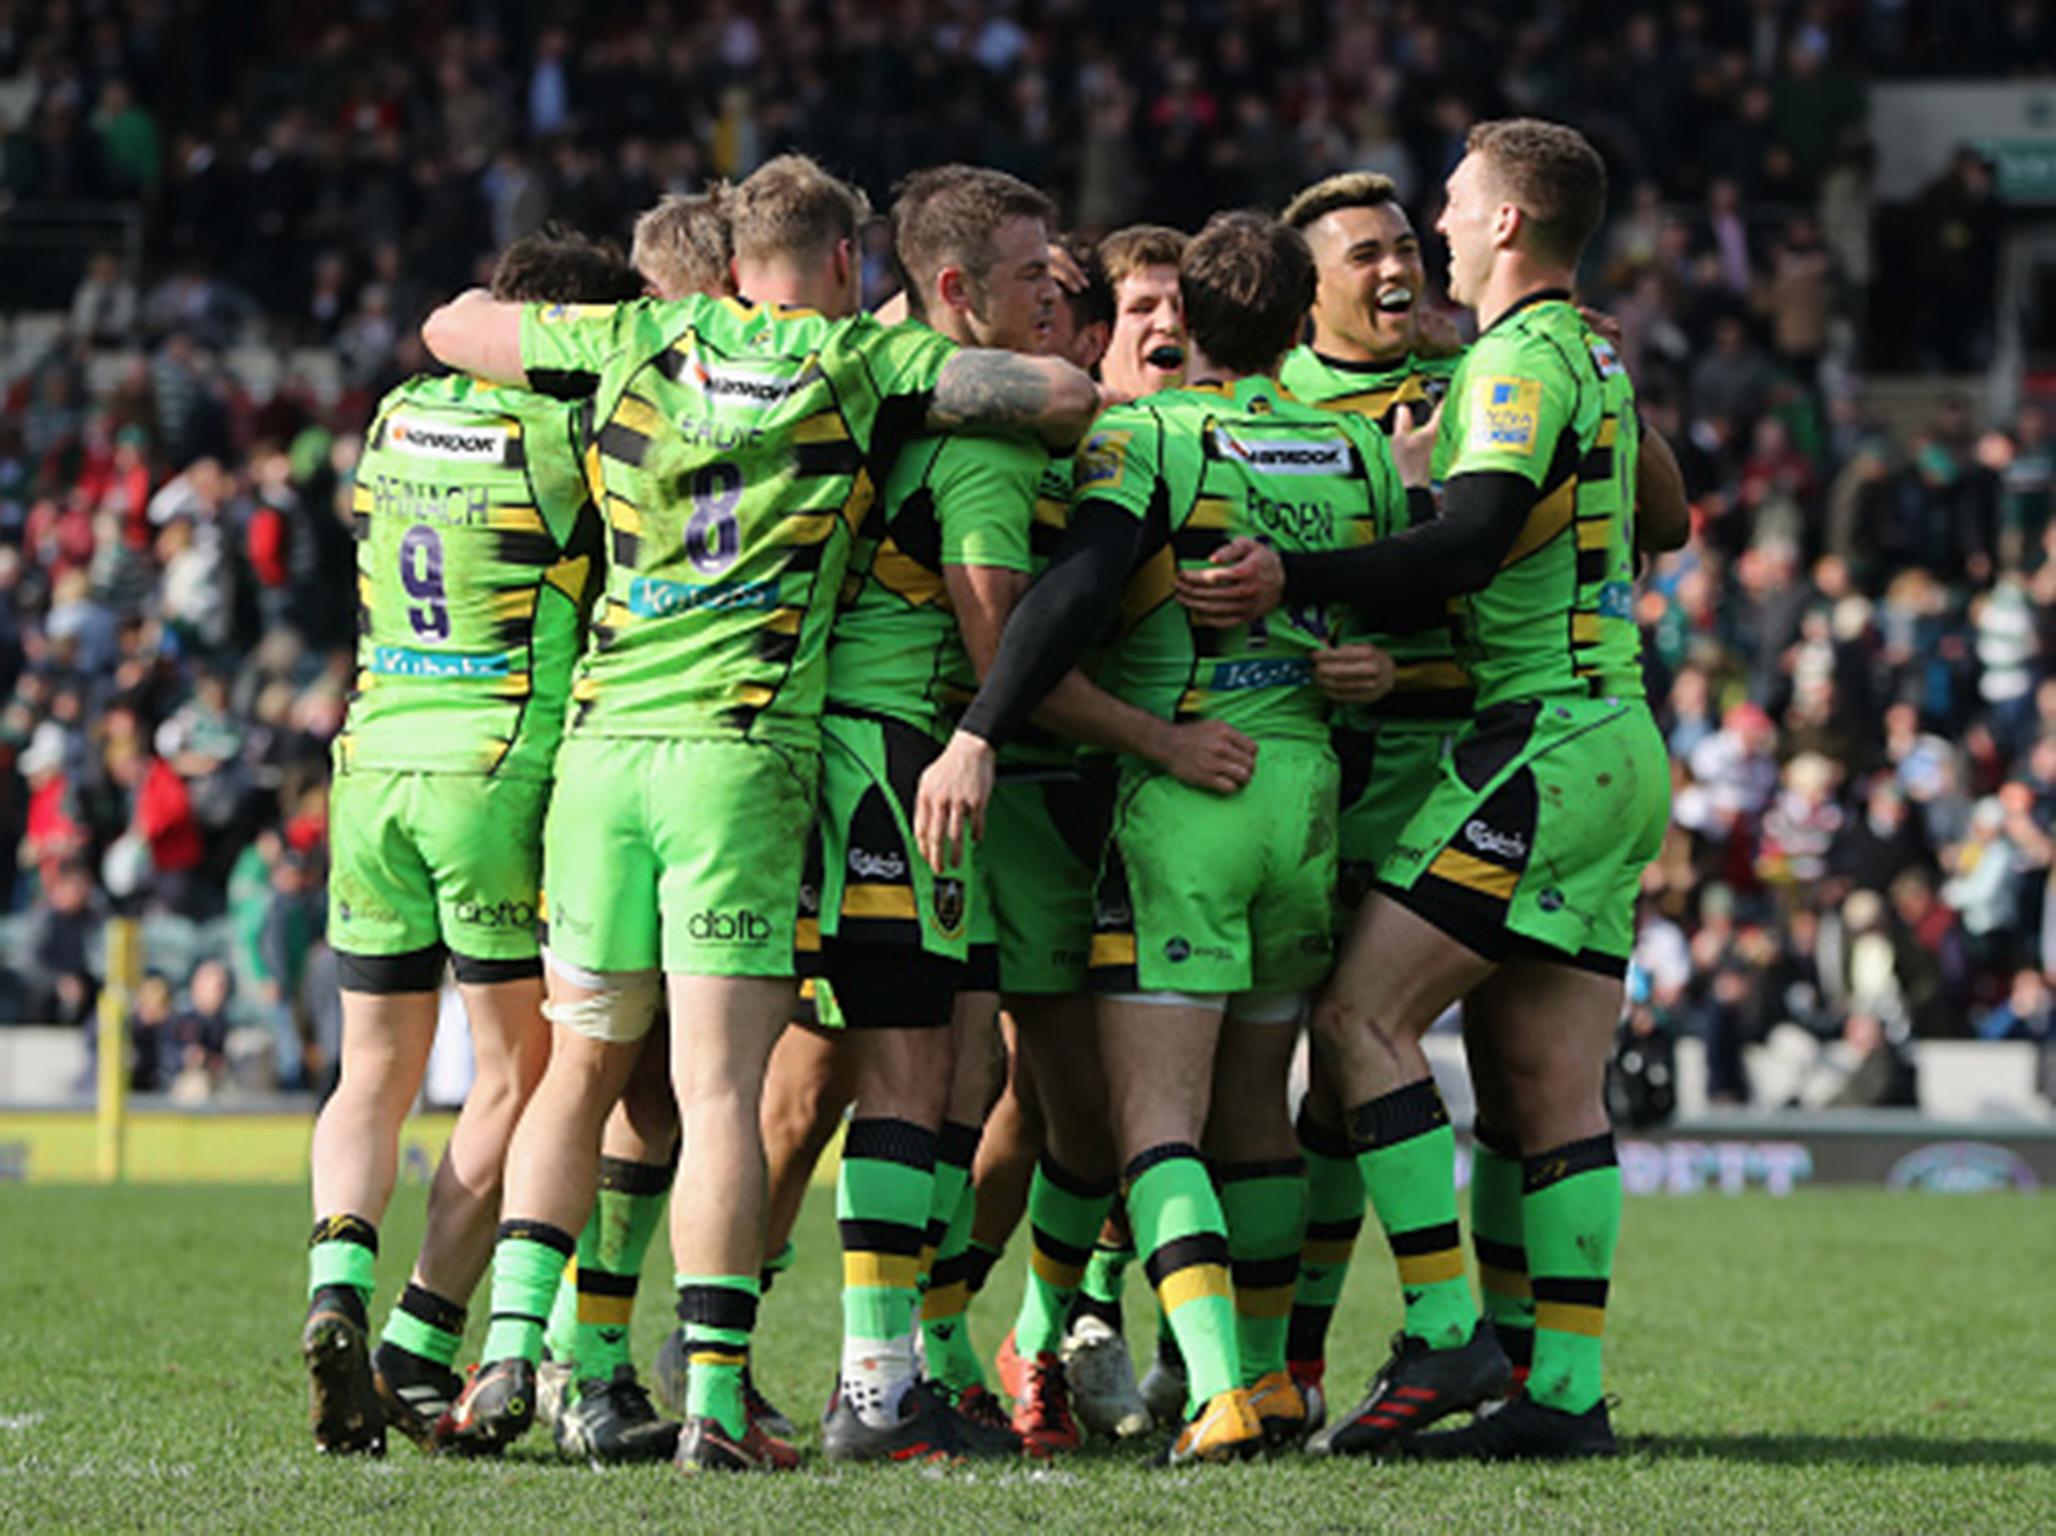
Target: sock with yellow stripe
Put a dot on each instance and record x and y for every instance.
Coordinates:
(1334, 1216)
(717, 1314)
(1497, 1238)
(631, 1205)
(1064, 1217)
(1264, 1204)
(426, 1325)
(882, 1198)
(945, 1333)
(1408, 1155)
(1106, 1277)
(1183, 1238)
(342, 1256)
(1571, 1210)
(528, 1262)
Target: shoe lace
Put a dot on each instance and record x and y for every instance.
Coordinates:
(1048, 1401)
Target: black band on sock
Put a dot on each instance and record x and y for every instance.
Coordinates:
(1062, 1178)
(1184, 1253)
(631, 1178)
(880, 1237)
(1346, 1230)
(1567, 1162)
(1108, 1312)
(1439, 1238)
(1491, 1140)
(1397, 1116)
(1508, 1256)
(436, 1311)
(1070, 1255)
(593, 1281)
(1162, 1152)
(1322, 1140)
(717, 1306)
(539, 1232)
(1264, 1274)
(1576, 1292)
(891, 1141)
(1276, 1168)
(344, 1229)
(947, 1271)
(956, 1143)
(978, 1262)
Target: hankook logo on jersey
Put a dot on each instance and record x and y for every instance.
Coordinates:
(433, 440)
(741, 386)
(866, 865)
(1488, 839)
(1285, 456)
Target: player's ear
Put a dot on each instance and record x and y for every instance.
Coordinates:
(1090, 344)
(953, 286)
(1507, 223)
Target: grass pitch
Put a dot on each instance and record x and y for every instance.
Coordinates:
(1837, 1361)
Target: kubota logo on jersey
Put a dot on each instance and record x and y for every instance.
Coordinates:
(1285, 455)
(435, 440)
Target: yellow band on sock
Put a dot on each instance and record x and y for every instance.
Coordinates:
(605, 1311)
(1511, 1283)
(708, 1358)
(1054, 1273)
(1330, 1251)
(1428, 1268)
(1569, 1317)
(1193, 1283)
(1272, 1301)
(945, 1301)
(886, 1271)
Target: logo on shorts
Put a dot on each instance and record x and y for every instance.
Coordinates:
(866, 865)
(949, 905)
(1550, 900)
(810, 900)
(1486, 839)
(496, 914)
(742, 926)
(1177, 951)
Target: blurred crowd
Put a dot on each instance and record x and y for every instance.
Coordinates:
(1850, 655)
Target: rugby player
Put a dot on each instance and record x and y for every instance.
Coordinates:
(738, 442)
(1213, 915)
(588, 1391)
(1514, 883)
(476, 537)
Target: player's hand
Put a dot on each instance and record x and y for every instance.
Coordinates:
(1413, 447)
(1354, 674)
(1110, 397)
(1435, 333)
(951, 800)
(1063, 266)
(1608, 326)
(1210, 755)
(1245, 582)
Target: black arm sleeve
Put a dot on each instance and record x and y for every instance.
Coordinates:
(1048, 634)
(1420, 506)
(1458, 552)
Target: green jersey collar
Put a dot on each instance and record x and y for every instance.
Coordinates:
(1539, 296)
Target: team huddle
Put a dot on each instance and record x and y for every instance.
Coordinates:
(998, 731)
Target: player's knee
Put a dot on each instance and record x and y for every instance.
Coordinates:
(606, 1007)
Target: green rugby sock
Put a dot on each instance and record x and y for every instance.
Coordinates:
(631, 1205)
(1497, 1237)
(1408, 1156)
(1571, 1209)
(528, 1261)
(945, 1328)
(1265, 1208)
(882, 1197)
(717, 1314)
(342, 1251)
(1334, 1216)
(1064, 1217)
(560, 1335)
(427, 1325)
(1180, 1230)
(1106, 1275)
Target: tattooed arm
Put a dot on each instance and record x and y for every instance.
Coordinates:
(980, 387)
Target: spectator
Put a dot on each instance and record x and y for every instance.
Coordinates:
(198, 1035)
(103, 309)
(59, 948)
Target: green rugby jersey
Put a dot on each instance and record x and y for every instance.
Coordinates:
(737, 447)
(1543, 396)
(1430, 685)
(948, 500)
(1202, 465)
(476, 546)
